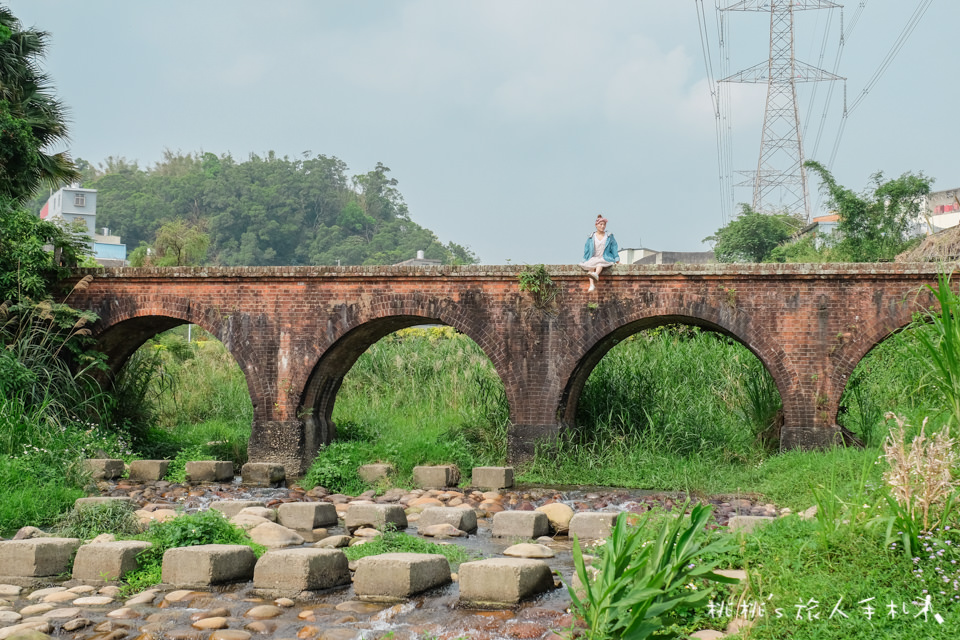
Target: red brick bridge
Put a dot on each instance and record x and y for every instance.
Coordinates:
(296, 331)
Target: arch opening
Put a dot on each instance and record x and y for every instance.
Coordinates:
(673, 386)
(180, 391)
(400, 391)
(891, 377)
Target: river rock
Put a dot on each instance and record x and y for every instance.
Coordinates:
(529, 550)
(273, 535)
(559, 516)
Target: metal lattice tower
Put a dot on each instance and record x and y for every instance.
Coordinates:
(780, 182)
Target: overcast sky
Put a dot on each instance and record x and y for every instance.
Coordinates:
(509, 123)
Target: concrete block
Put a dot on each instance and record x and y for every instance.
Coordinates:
(209, 471)
(230, 508)
(463, 519)
(592, 525)
(437, 477)
(37, 557)
(499, 582)
(307, 515)
(104, 561)
(79, 503)
(262, 474)
(389, 577)
(148, 470)
(377, 516)
(747, 524)
(292, 571)
(206, 565)
(492, 478)
(520, 524)
(104, 468)
(373, 473)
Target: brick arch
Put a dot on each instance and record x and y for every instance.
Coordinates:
(122, 329)
(852, 349)
(610, 333)
(356, 328)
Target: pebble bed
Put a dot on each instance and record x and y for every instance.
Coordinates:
(83, 612)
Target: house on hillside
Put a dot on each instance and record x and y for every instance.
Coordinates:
(77, 206)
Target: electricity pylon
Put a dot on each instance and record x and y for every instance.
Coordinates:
(780, 182)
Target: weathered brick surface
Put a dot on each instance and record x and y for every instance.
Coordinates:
(295, 331)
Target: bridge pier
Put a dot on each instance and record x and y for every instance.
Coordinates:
(522, 440)
(280, 442)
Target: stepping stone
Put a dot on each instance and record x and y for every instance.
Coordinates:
(559, 516)
(307, 515)
(747, 524)
(292, 571)
(592, 525)
(377, 516)
(463, 519)
(520, 524)
(503, 582)
(492, 478)
(230, 508)
(79, 503)
(37, 557)
(209, 471)
(148, 470)
(437, 477)
(104, 561)
(262, 474)
(373, 473)
(391, 577)
(208, 564)
(104, 468)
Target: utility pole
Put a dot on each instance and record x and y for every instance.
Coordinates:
(780, 181)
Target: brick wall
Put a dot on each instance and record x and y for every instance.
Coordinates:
(296, 331)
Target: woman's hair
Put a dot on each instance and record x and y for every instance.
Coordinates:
(599, 218)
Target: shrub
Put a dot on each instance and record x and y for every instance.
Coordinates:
(90, 520)
(627, 593)
(202, 527)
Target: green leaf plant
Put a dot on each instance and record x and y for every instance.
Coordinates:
(635, 583)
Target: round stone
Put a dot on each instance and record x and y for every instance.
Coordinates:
(264, 612)
(213, 622)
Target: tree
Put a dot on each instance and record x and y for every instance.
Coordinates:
(178, 244)
(752, 236)
(876, 224)
(29, 107)
(27, 268)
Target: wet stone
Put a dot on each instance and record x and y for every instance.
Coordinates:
(213, 622)
(264, 612)
(230, 634)
(75, 624)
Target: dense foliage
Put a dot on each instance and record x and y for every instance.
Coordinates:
(875, 225)
(752, 236)
(31, 118)
(878, 223)
(266, 210)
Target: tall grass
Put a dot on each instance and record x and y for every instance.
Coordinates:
(179, 394)
(418, 396)
(52, 414)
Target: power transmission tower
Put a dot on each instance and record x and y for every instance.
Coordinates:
(780, 182)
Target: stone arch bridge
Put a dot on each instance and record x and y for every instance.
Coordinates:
(296, 331)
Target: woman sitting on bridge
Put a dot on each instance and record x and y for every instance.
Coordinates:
(600, 251)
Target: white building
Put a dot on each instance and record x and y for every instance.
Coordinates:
(72, 204)
(942, 210)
